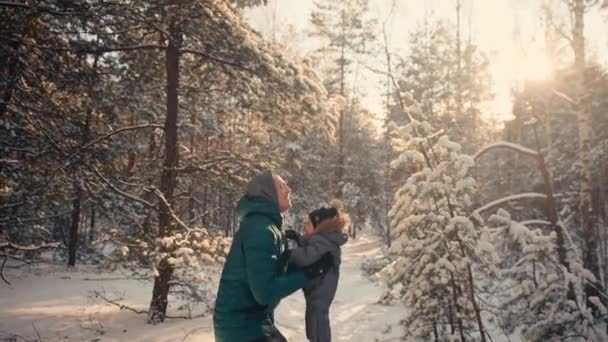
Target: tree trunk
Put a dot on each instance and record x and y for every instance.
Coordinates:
(551, 207)
(160, 292)
(340, 165)
(590, 259)
(451, 316)
(73, 238)
(455, 293)
(131, 156)
(158, 306)
(458, 65)
(205, 206)
(11, 80)
(482, 331)
(92, 226)
(84, 137)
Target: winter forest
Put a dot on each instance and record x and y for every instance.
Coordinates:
(467, 139)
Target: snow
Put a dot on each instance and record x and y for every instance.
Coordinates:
(61, 306)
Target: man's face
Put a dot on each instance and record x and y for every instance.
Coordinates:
(283, 192)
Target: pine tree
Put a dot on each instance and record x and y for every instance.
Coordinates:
(436, 246)
(346, 32)
(448, 82)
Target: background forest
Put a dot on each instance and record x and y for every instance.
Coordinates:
(129, 128)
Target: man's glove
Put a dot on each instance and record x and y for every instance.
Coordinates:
(293, 235)
(319, 267)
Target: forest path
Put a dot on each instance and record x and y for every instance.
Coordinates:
(60, 305)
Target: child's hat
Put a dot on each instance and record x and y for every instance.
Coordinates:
(317, 216)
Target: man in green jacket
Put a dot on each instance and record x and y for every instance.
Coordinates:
(255, 276)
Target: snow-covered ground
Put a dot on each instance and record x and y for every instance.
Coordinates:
(50, 303)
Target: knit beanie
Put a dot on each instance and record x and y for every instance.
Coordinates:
(321, 214)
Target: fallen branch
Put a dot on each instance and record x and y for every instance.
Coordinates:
(115, 303)
(2, 268)
(141, 312)
(193, 331)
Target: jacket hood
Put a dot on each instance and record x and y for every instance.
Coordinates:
(262, 185)
(260, 205)
(338, 238)
(336, 224)
(333, 230)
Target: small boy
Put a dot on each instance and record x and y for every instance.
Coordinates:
(320, 248)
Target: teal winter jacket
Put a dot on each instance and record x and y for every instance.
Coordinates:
(255, 276)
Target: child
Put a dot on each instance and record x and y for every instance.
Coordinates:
(320, 248)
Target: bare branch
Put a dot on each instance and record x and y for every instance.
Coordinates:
(107, 136)
(166, 204)
(565, 97)
(14, 4)
(34, 219)
(98, 50)
(204, 167)
(2, 267)
(139, 312)
(11, 205)
(215, 59)
(121, 306)
(125, 194)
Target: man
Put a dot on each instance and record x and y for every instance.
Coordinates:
(255, 276)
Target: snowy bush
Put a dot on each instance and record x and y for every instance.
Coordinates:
(190, 254)
(538, 294)
(371, 266)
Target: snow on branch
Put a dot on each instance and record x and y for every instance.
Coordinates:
(5, 244)
(564, 96)
(11, 245)
(536, 223)
(516, 197)
(507, 145)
